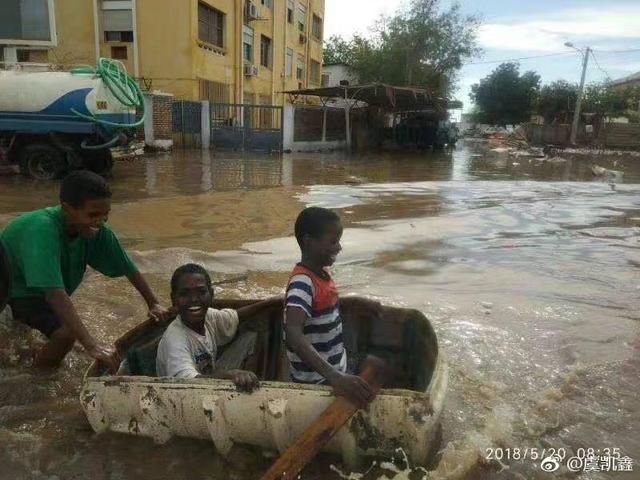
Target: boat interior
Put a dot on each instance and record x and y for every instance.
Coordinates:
(403, 338)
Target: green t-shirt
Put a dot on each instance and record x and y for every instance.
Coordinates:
(42, 257)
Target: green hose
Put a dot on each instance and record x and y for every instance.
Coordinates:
(124, 88)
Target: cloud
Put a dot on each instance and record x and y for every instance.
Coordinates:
(346, 17)
(548, 33)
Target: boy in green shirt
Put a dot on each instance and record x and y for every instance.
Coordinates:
(48, 252)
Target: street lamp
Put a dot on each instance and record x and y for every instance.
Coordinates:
(576, 113)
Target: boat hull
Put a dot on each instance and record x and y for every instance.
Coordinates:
(271, 418)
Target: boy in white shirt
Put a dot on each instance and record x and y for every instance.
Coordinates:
(189, 346)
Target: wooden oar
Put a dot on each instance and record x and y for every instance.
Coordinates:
(318, 434)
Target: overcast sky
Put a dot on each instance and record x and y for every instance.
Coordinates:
(514, 29)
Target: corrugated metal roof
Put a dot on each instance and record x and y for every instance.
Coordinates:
(387, 96)
(630, 78)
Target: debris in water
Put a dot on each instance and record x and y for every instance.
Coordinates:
(353, 180)
(555, 160)
(599, 171)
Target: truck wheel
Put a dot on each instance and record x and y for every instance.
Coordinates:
(5, 279)
(99, 162)
(42, 162)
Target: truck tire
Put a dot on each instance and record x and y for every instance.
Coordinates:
(42, 162)
(5, 279)
(99, 162)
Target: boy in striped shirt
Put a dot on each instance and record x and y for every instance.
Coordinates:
(313, 327)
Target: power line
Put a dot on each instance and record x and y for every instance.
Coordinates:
(549, 55)
(618, 51)
(593, 55)
(520, 58)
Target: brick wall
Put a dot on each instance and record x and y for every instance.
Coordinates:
(620, 135)
(162, 116)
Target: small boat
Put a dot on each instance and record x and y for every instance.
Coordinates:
(405, 414)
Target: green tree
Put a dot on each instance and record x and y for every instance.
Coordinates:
(505, 97)
(604, 100)
(422, 45)
(337, 50)
(556, 101)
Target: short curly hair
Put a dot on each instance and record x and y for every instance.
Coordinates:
(313, 221)
(189, 268)
(83, 185)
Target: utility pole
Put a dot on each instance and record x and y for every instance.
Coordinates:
(576, 114)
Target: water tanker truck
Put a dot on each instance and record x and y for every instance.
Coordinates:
(54, 122)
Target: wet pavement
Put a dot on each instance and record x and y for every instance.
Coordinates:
(527, 268)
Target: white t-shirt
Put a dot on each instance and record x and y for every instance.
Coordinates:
(184, 353)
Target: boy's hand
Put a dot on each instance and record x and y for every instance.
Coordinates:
(105, 354)
(353, 388)
(244, 380)
(160, 314)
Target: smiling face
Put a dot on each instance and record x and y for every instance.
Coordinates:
(87, 220)
(192, 298)
(324, 250)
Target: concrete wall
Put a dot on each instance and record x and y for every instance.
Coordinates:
(338, 73)
(76, 33)
(309, 129)
(610, 135)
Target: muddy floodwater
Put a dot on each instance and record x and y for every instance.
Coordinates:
(529, 271)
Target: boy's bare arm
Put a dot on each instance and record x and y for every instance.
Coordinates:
(244, 380)
(350, 386)
(156, 311)
(63, 307)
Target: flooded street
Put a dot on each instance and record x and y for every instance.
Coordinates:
(529, 271)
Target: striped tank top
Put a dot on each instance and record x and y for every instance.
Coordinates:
(317, 297)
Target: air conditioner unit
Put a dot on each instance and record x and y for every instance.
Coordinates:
(250, 71)
(302, 38)
(252, 11)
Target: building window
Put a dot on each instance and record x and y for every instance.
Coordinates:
(121, 36)
(316, 27)
(290, 10)
(289, 63)
(302, 17)
(114, 20)
(268, 4)
(33, 56)
(314, 72)
(119, 53)
(23, 56)
(210, 25)
(300, 68)
(247, 44)
(265, 51)
(214, 92)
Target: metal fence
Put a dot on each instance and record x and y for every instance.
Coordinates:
(246, 127)
(187, 123)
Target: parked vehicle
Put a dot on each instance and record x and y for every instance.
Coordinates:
(52, 122)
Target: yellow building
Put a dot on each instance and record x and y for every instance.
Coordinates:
(226, 51)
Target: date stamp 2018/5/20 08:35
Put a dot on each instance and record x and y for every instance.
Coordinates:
(552, 459)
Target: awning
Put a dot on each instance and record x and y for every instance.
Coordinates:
(389, 97)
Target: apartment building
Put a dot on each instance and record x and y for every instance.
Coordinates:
(225, 51)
